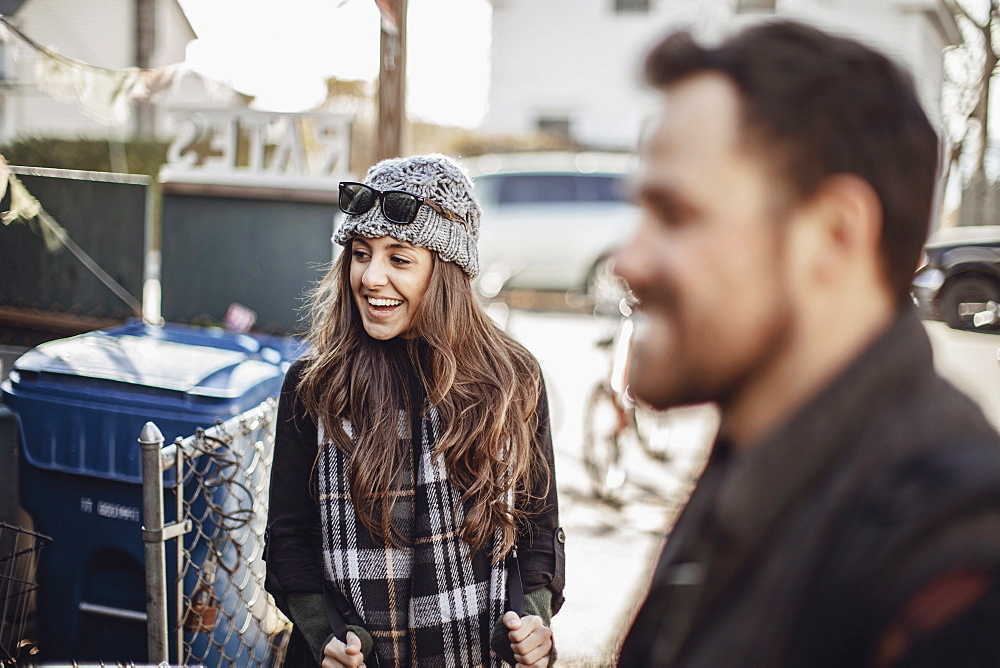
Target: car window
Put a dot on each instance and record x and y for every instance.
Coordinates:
(600, 188)
(523, 188)
(533, 188)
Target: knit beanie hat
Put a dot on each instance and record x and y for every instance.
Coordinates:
(438, 178)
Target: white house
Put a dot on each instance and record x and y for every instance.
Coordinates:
(574, 66)
(104, 34)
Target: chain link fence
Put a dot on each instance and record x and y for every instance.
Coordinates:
(219, 479)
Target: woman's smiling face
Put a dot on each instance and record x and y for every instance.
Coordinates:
(388, 280)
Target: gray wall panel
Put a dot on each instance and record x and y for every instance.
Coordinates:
(262, 254)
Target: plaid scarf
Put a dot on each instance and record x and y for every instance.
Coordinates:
(430, 603)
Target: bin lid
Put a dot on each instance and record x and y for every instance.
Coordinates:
(81, 402)
(131, 359)
(172, 358)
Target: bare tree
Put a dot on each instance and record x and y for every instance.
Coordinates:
(969, 70)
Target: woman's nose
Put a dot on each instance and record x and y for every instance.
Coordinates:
(375, 274)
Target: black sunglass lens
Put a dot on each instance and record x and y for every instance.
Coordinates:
(400, 207)
(355, 199)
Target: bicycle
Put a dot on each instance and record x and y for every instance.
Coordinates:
(19, 550)
(614, 423)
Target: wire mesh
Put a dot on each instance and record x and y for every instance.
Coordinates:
(19, 550)
(225, 617)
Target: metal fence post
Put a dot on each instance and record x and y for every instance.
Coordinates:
(230, 489)
(151, 441)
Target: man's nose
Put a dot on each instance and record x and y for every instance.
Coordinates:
(628, 259)
(624, 257)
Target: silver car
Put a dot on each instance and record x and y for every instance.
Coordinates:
(551, 220)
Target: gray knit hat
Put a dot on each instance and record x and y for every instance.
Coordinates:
(438, 178)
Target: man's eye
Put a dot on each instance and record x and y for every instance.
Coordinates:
(667, 211)
(672, 213)
(664, 209)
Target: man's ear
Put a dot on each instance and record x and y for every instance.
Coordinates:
(854, 213)
(849, 216)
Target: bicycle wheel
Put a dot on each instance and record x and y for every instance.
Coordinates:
(604, 421)
(653, 431)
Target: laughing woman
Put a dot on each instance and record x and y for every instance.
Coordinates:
(413, 517)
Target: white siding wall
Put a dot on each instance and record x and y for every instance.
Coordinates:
(97, 32)
(572, 58)
(579, 60)
(174, 34)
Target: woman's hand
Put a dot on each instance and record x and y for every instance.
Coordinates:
(530, 639)
(337, 654)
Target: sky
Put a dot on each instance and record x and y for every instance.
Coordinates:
(283, 57)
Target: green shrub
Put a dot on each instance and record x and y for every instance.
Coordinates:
(93, 155)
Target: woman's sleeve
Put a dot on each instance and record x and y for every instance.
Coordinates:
(293, 527)
(293, 523)
(540, 546)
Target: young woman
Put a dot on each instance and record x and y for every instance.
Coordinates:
(413, 506)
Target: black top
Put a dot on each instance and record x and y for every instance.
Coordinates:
(294, 520)
(864, 531)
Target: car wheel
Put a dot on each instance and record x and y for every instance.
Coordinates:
(958, 291)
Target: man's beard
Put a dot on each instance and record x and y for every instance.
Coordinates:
(683, 369)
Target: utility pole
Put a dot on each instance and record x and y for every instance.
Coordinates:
(391, 81)
(145, 43)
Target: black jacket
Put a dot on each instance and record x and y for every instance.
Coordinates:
(865, 531)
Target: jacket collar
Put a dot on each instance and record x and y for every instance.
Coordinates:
(763, 479)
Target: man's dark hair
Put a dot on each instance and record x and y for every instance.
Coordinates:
(820, 105)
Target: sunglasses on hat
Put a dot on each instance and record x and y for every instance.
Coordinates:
(398, 206)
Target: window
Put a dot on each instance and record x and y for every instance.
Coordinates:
(756, 5)
(535, 188)
(525, 188)
(556, 126)
(597, 188)
(632, 6)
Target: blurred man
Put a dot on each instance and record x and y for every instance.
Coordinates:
(849, 514)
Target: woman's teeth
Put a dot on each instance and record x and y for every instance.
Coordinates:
(384, 302)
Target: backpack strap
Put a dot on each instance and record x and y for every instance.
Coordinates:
(333, 616)
(515, 588)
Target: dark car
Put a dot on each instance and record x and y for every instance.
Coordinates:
(960, 274)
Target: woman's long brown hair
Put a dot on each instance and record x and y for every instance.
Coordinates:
(484, 385)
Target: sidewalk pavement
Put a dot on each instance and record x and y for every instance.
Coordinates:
(609, 550)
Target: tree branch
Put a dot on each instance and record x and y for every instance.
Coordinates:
(959, 10)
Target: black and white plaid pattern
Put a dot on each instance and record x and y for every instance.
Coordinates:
(432, 603)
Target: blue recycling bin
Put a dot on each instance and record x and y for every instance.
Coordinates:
(81, 403)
